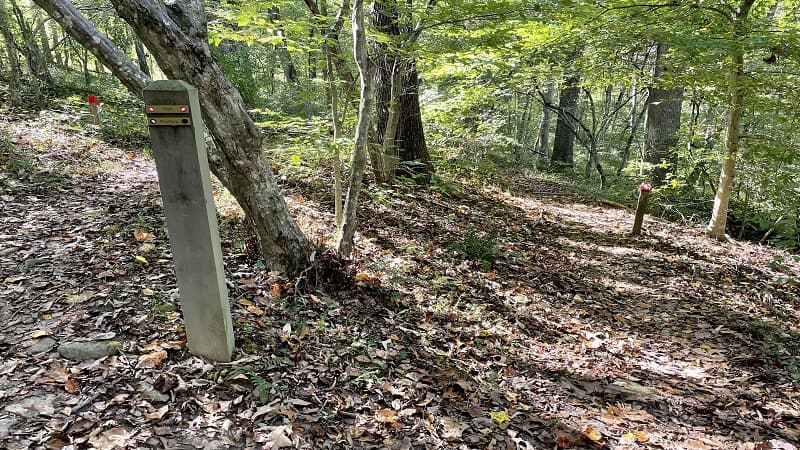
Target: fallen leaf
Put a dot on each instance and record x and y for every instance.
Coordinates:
(386, 415)
(279, 437)
(157, 414)
(151, 360)
(452, 429)
(72, 386)
(141, 235)
(499, 416)
(140, 259)
(40, 333)
(110, 439)
(592, 434)
(255, 310)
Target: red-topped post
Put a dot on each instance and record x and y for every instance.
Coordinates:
(641, 207)
(94, 109)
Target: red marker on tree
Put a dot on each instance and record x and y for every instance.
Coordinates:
(93, 100)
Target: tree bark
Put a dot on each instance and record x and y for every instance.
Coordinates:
(564, 141)
(141, 57)
(410, 135)
(719, 215)
(15, 71)
(176, 35)
(662, 122)
(542, 147)
(344, 243)
(33, 53)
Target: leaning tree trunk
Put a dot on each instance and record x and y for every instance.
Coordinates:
(719, 215)
(15, 72)
(662, 122)
(347, 229)
(176, 35)
(564, 141)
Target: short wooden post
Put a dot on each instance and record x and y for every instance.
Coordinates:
(94, 109)
(641, 207)
(176, 130)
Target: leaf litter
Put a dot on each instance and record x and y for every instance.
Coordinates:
(562, 332)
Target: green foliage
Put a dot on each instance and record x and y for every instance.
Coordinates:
(789, 268)
(480, 246)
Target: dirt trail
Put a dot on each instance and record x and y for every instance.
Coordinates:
(569, 334)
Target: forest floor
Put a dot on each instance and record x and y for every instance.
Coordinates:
(570, 334)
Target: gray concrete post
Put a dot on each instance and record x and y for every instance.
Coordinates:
(176, 131)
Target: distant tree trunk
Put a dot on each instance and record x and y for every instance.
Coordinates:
(662, 122)
(141, 57)
(87, 76)
(289, 69)
(14, 70)
(33, 53)
(54, 47)
(410, 134)
(564, 141)
(339, 80)
(347, 229)
(542, 147)
(46, 51)
(719, 214)
(634, 120)
(176, 35)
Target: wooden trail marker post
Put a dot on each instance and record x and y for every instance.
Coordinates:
(176, 131)
(94, 109)
(641, 207)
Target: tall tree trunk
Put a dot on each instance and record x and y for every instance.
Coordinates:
(141, 57)
(564, 141)
(542, 147)
(344, 243)
(46, 51)
(56, 42)
(410, 136)
(177, 36)
(662, 122)
(719, 215)
(15, 71)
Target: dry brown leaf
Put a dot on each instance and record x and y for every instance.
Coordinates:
(592, 434)
(110, 439)
(255, 310)
(72, 386)
(151, 360)
(386, 415)
(157, 414)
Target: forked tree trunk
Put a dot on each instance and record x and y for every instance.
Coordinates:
(344, 241)
(176, 35)
(662, 122)
(719, 215)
